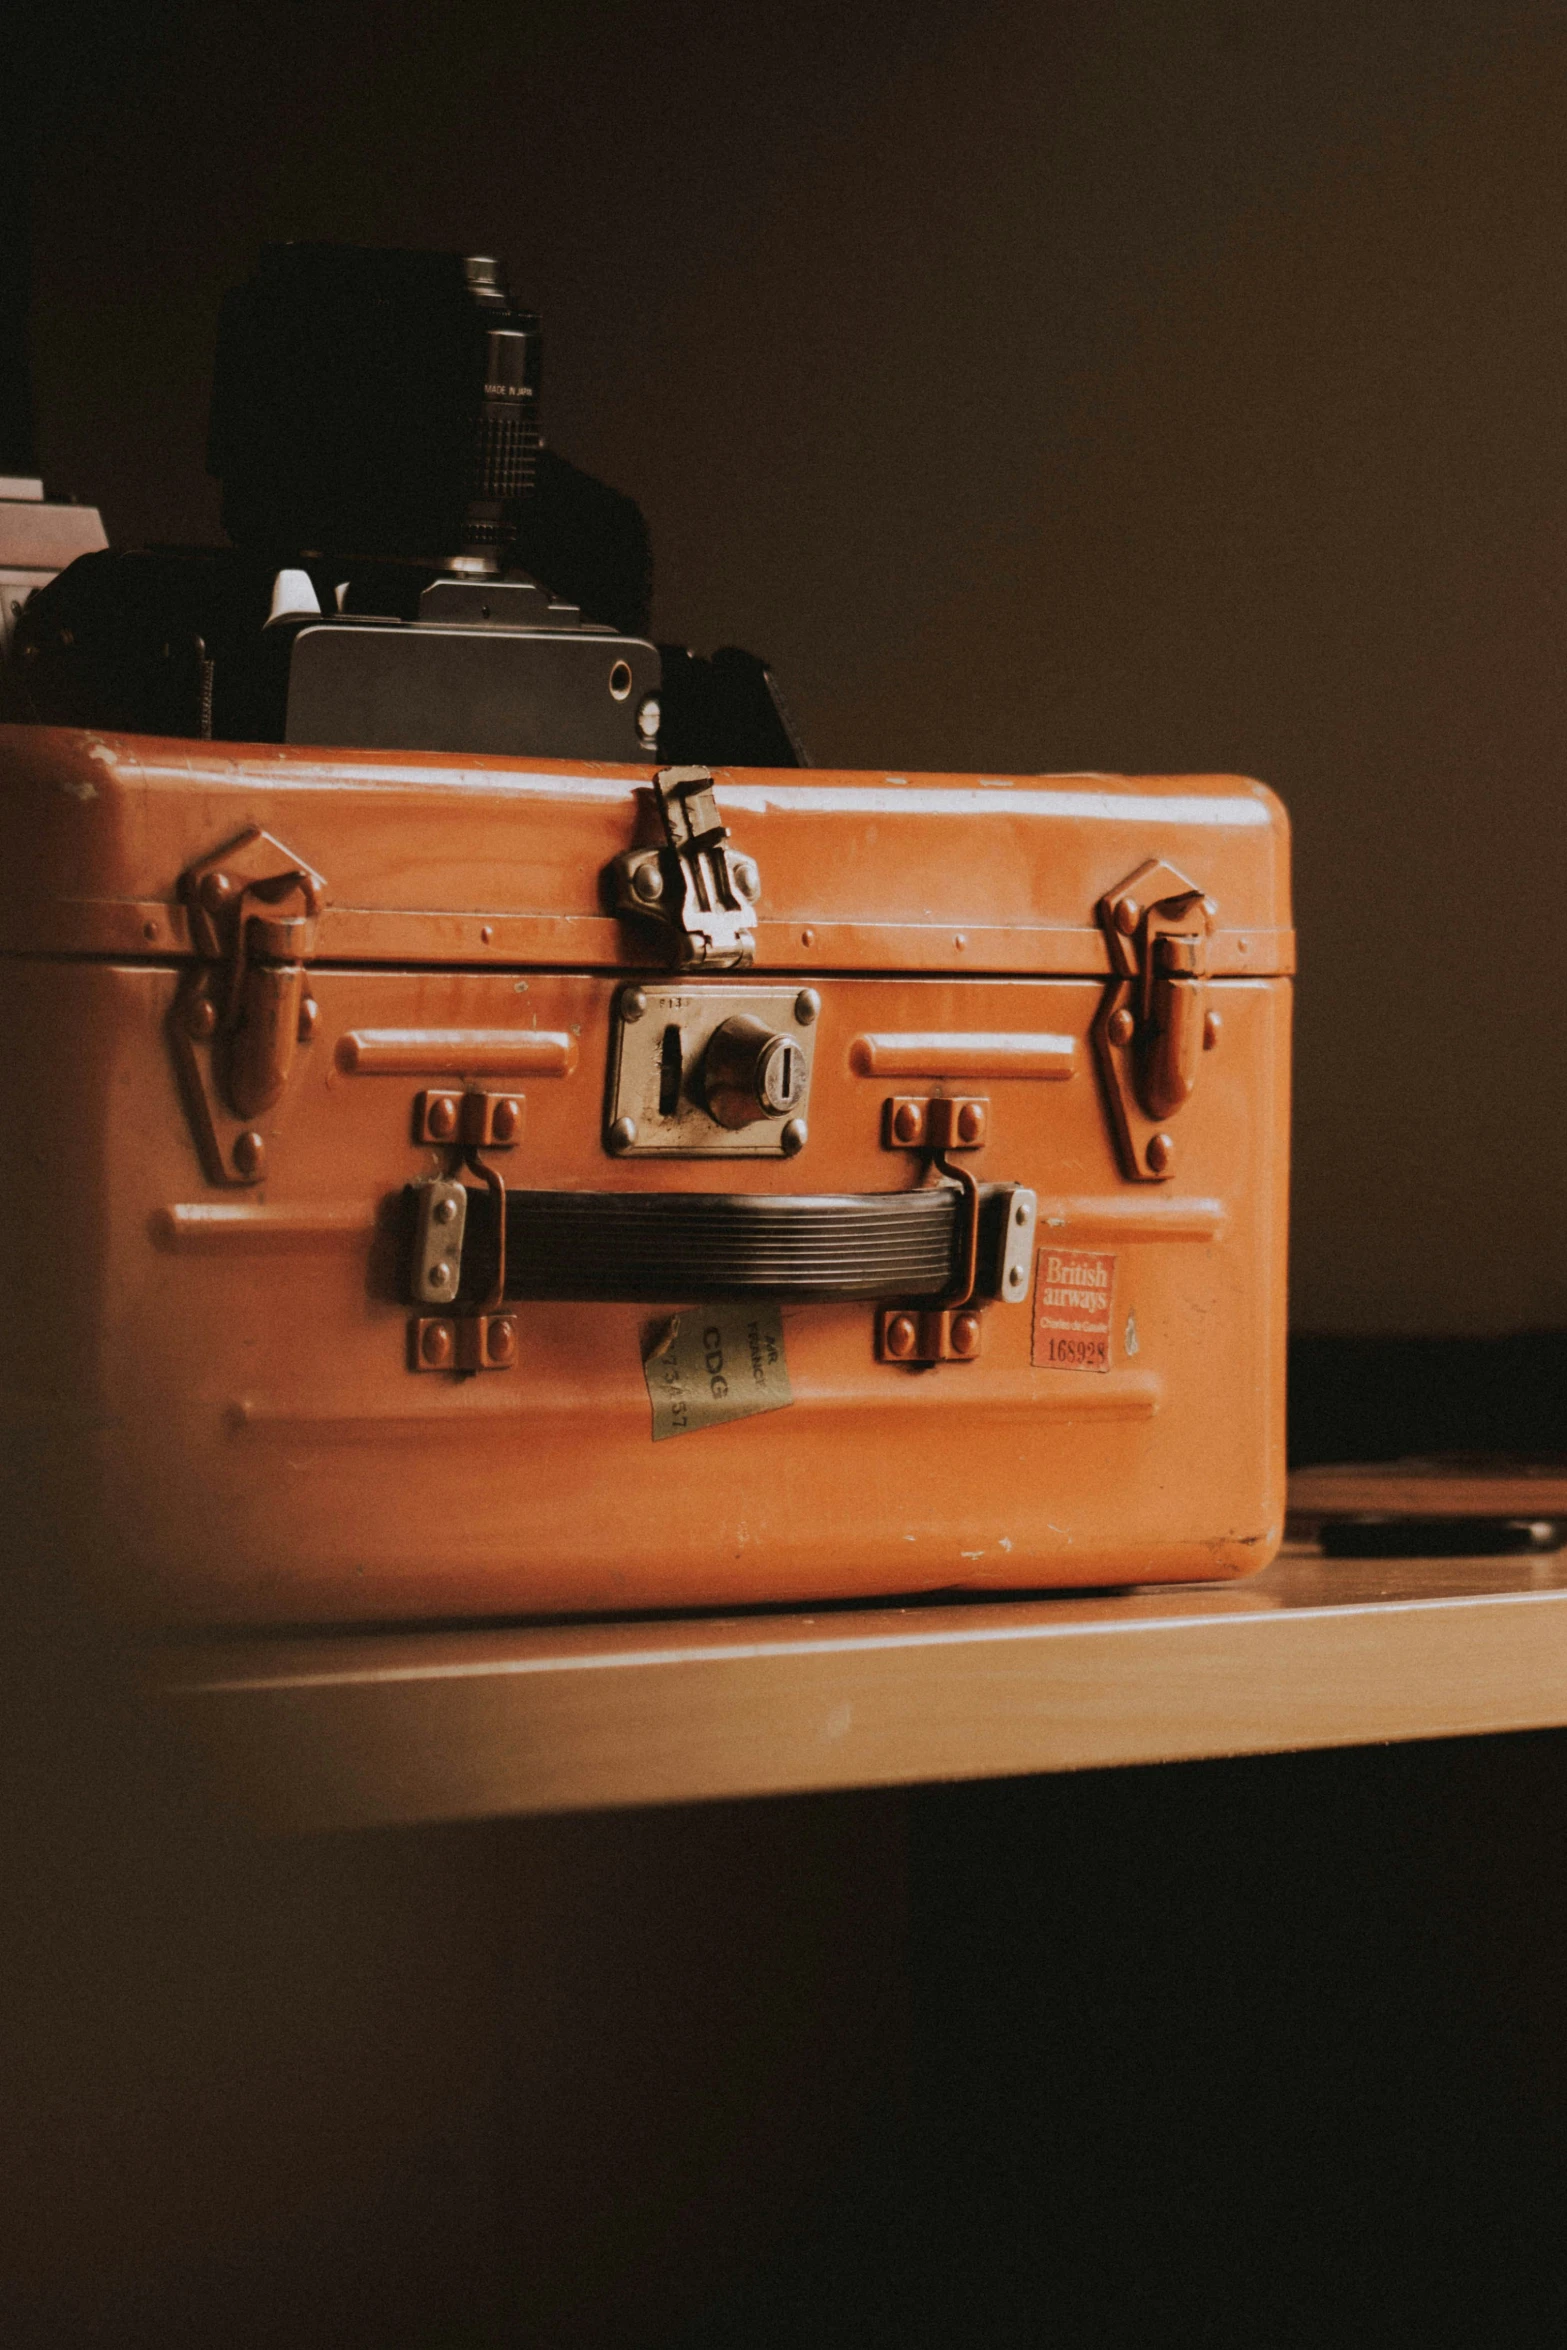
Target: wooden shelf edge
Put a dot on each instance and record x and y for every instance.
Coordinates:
(382, 1729)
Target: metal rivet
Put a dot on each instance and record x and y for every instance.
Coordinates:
(446, 1211)
(1121, 1026)
(216, 890)
(1161, 1154)
(633, 1003)
(965, 1334)
(901, 1335)
(959, 940)
(648, 882)
(439, 1276)
(807, 938)
(748, 879)
(1211, 1028)
(309, 1014)
(971, 1122)
(792, 1140)
(807, 1006)
(622, 1134)
(648, 715)
(485, 934)
(908, 1122)
(250, 1154)
(507, 1119)
(202, 1018)
(501, 1339)
(149, 930)
(1022, 1212)
(1128, 914)
(441, 1117)
(1015, 1277)
(435, 1345)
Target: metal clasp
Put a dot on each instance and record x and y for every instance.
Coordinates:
(241, 1013)
(484, 1339)
(698, 889)
(1153, 1026)
(996, 1218)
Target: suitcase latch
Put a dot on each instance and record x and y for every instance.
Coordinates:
(695, 887)
(1154, 1025)
(241, 1013)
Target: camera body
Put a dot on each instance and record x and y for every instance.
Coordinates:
(410, 568)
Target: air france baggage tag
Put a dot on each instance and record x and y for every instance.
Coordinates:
(716, 1363)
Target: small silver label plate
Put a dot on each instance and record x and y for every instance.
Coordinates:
(1020, 1210)
(437, 1265)
(657, 1106)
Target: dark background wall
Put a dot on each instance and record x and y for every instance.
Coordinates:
(1125, 384)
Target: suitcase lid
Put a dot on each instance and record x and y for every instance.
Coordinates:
(454, 859)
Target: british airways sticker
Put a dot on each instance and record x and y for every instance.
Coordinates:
(1074, 1290)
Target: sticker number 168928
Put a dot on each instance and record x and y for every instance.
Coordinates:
(1073, 1354)
(1074, 1291)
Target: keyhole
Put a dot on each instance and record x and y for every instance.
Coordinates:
(669, 1072)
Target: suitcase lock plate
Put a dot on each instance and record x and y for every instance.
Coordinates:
(1154, 1026)
(241, 1012)
(710, 1072)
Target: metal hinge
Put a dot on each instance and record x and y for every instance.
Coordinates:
(1153, 1026)
(242, 1012)
(698, 889)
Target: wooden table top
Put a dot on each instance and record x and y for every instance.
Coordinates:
(358, 1729)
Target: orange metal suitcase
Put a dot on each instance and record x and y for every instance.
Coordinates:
(445, 1186)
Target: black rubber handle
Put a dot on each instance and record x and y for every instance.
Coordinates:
(676, 1247)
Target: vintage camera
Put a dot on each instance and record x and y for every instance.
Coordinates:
(411, 568)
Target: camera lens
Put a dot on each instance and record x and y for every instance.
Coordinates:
(376, 404)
